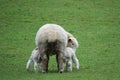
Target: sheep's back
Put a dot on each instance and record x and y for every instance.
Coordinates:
(51, 33)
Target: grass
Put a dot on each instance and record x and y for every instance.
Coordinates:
(95, 23)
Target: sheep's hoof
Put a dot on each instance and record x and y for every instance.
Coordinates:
(44, 71)
(61, 71)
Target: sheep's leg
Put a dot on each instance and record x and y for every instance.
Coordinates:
(44, 63)
(47, 63)
(75, 60)
(60, 62)
(39, 63)
(57, 61)
(28, 64)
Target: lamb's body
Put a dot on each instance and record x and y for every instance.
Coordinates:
(51, 39)
(70, 57)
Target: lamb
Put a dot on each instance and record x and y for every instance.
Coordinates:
(51, 39)
(34, 58)
(69, 58)
(70, 54)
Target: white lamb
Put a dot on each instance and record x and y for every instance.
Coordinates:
(34, 58)
(70, 55)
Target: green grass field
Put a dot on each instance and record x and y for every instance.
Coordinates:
(95, 24)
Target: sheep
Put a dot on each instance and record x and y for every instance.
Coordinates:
(51, 39)
(68, 57)
(34, 58)
(35, 54)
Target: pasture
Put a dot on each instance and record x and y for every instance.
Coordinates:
(95, 24)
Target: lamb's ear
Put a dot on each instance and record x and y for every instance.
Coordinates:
(69, 40)
(36, 48)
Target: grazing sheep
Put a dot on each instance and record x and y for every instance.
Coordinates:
(34, 58)
(51, 39)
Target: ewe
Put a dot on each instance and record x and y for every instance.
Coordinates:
(51, 39)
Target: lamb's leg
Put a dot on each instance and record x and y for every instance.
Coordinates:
(36, 65)
(69, 65)
(75, 60)
(28, 64)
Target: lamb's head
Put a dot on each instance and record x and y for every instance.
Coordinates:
(73, 43)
